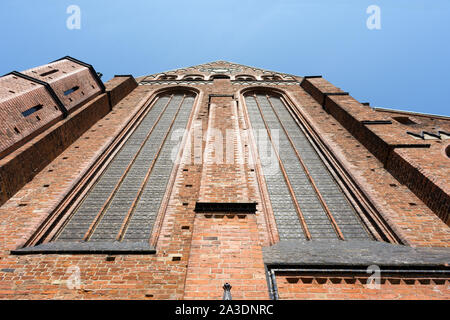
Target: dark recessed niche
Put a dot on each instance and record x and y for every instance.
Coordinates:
(22, 204)
(46, 185)
(185, 204)
(447, 151)
(185, 227)
(32, 110)
(412, 204)
(393, 185)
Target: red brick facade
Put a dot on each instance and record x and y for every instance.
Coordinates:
(218, 219)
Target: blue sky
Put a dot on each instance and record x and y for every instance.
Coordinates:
(404, 65)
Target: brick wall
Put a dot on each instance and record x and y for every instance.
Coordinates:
(352, 287)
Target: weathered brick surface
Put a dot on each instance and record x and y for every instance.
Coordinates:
(225, 171)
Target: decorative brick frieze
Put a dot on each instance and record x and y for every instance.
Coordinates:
(355, 173)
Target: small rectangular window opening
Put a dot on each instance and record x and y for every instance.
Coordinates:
(67, 92)
(32, 110)
(404, 120)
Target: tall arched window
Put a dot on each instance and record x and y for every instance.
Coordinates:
(123, 194)
(167, 77)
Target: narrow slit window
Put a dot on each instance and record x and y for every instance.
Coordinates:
(71, 90)
(32, 110)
